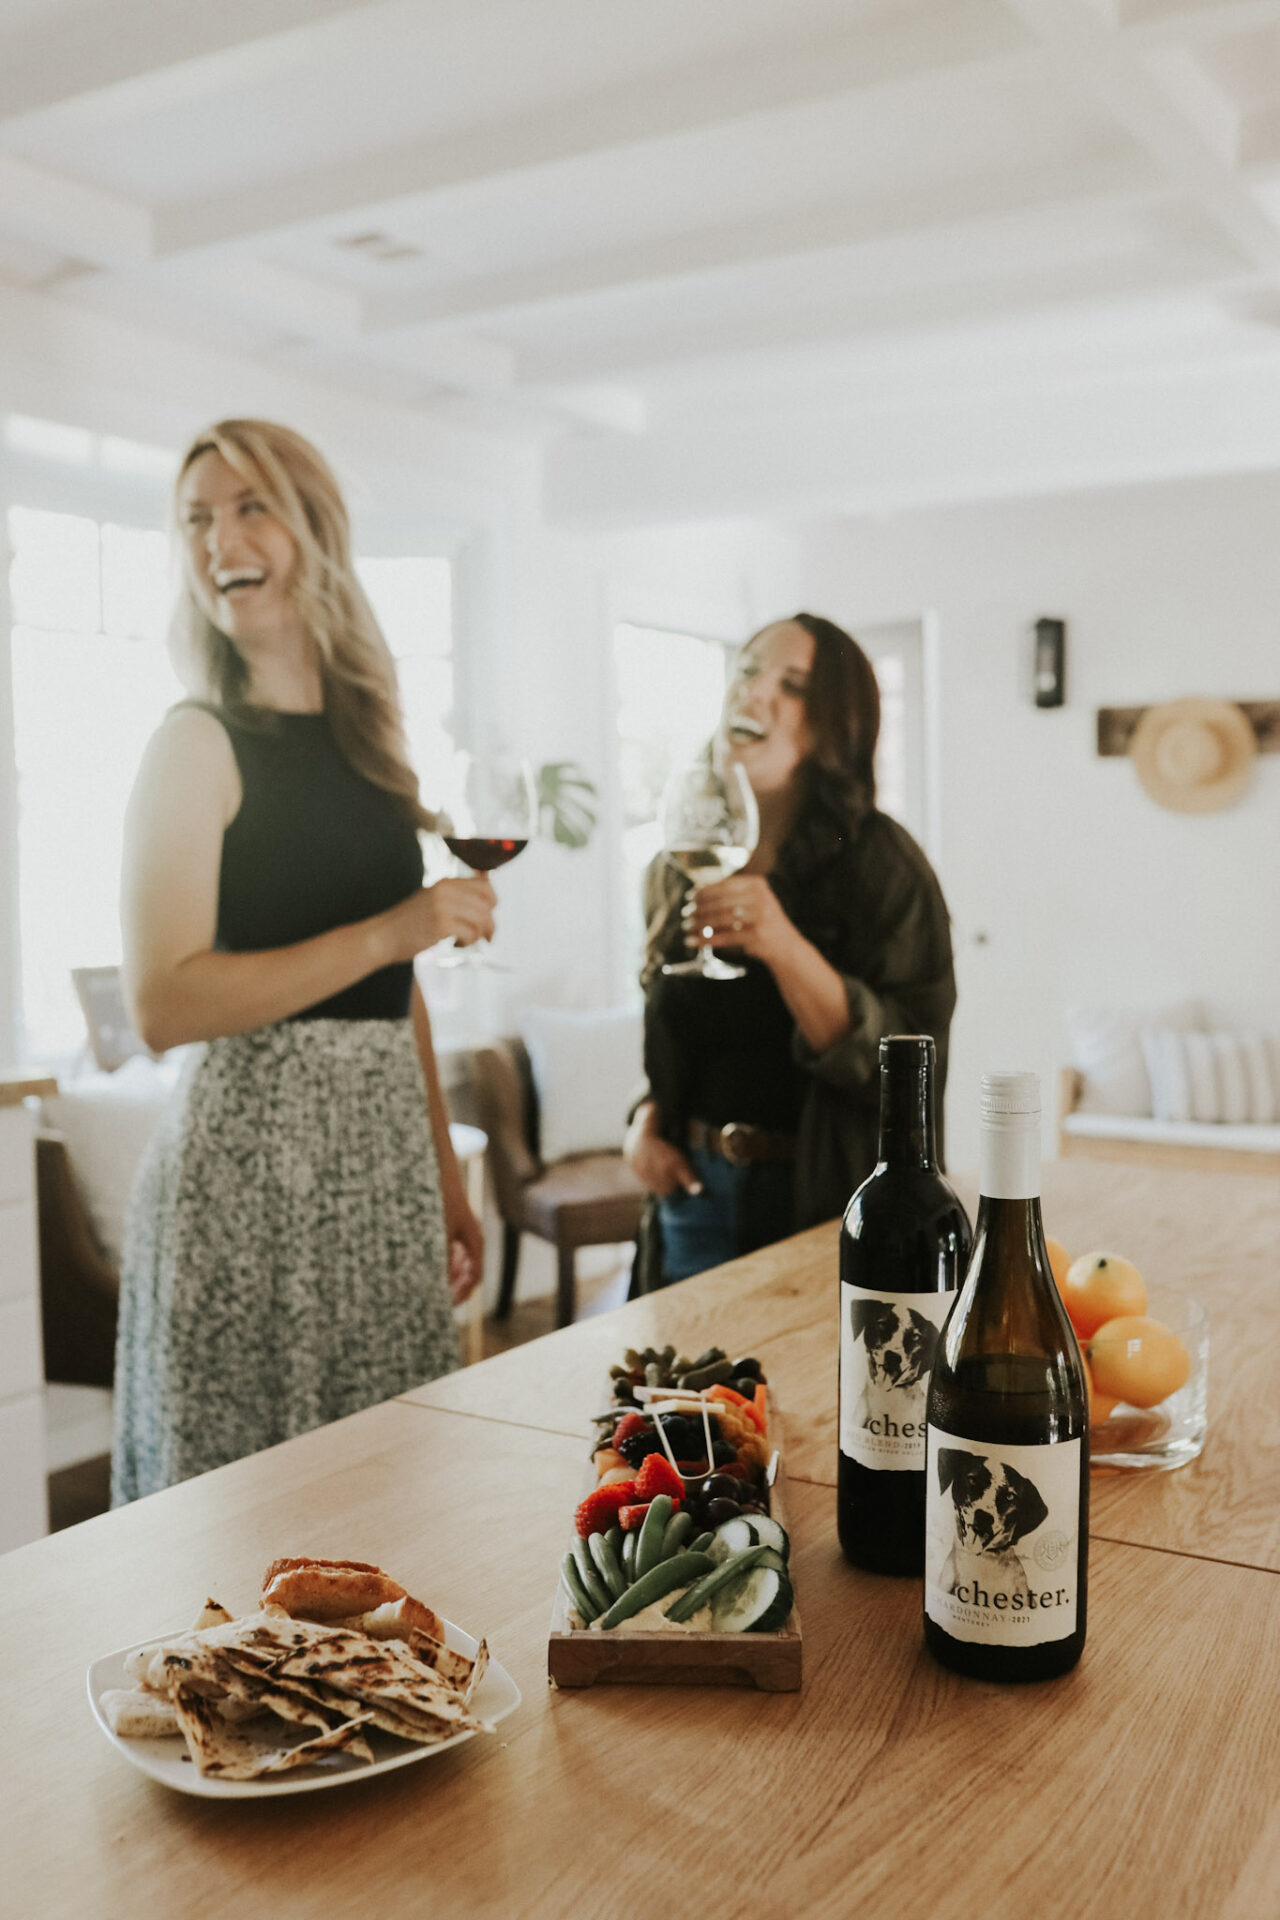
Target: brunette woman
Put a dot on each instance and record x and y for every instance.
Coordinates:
(763, 1093)
(298, 1231)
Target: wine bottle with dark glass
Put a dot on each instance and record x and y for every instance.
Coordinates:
(904, 1246)
(1007, 1475)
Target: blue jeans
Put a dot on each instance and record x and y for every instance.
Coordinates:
(738, 1210)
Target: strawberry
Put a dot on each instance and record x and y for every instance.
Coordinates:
(657, 1475)
(630, 1423)
(601, 1509)
(629, 1518)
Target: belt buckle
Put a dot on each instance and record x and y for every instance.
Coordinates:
(735, 1143)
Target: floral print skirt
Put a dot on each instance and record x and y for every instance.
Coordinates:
(285, 1259)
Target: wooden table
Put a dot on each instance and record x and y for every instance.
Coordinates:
(1145, 1783)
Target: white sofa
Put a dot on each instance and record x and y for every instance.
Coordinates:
(1162, 1085)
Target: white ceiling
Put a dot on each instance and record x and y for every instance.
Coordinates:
(715, 256)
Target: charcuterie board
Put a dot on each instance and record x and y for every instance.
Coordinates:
(708, 1577)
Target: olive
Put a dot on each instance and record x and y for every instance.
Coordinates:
(746, 1386)
(721, 1487)
(719, 1511)
(750, 1367)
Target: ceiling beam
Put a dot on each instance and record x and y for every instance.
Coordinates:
(1157, 113)
(911, 40)
(1152, 21)
(893, 312)
(99, 228)
(764, 243)
(99, 46)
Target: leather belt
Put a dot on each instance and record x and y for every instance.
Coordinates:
(741, 1145)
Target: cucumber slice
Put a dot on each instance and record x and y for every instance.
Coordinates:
(732, 1536)
(757, 1603)
(769, 1533)
(722, 1577)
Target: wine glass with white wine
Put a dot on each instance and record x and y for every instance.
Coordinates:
(709, 830)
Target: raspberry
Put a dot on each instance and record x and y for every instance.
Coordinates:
(598, 1512)
(630, 1423)
(657, 1475)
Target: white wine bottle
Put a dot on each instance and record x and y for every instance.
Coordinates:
(1007, 1469)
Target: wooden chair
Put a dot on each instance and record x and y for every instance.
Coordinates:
(79, 1287)
(586, 1200)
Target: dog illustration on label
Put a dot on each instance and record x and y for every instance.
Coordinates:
(899, 1345)
(995, 1507)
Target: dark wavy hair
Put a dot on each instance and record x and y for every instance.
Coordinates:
(836, 781)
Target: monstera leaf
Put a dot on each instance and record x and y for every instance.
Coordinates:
(565, 803)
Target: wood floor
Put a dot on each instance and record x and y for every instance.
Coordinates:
(80, 1491)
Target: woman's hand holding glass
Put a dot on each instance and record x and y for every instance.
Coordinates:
(452, 909)
(742, 914)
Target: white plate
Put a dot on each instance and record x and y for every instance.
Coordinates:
(167, 1760)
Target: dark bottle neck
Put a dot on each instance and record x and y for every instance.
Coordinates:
(908, 1127)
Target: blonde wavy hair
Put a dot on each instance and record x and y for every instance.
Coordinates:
(358, 675)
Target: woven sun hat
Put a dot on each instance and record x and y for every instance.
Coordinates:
(1193, 755)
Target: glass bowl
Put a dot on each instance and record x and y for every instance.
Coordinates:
(1168, 1431)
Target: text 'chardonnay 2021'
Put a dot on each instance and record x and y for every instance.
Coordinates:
(904, 1246)
(1007, 1477)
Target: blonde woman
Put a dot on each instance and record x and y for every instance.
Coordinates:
(298, 1231)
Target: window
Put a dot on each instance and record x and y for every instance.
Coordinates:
(413, 600)
(92, 679)
(670, 687)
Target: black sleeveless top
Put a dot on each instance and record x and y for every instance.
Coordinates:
(313, 846)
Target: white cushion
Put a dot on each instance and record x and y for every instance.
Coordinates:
(1106, 1049)
(107, 1119)
(1202, 1081)
(586, 1067)
(1169, 1074)
(1231, 1078)
(1221, 1079)
(1264, 1096)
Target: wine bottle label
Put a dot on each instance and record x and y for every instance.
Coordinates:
(1002, 1526)
(887, 1342)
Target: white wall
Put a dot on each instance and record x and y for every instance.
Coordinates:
(1066, 883)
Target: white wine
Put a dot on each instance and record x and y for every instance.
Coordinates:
(1007, 1469)
(904, 1248)
(703, 865)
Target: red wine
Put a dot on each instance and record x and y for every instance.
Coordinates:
(904, 1246)
(484, 855)
(1007, 1473)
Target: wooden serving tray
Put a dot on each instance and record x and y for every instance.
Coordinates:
(770, 1661)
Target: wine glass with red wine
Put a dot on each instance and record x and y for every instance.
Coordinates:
(488, 815)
